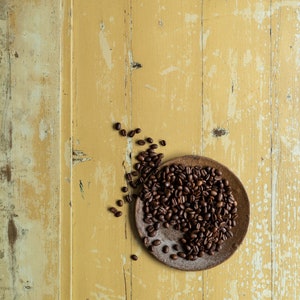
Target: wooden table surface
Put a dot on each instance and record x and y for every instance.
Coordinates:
(217, 78)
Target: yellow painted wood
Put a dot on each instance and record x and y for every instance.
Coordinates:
(30, 145)
(218, 78)
(209, 68)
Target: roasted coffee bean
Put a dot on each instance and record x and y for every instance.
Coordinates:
(134, 257)
(156, 242)
(153, 146)
(141, 142)
(128, 199)
(149, 140)
(151, 248)
(113, 210)
(193, 200)
(138, 130)
(119, 203)
(146, 240)
(131, 133)
(162, 143)
(134, 173)
(123, 132)
(117, 126)
(118, 214)
(175, 247)
(128, 176)
(165, 249)
(124, 189)
(173, 256)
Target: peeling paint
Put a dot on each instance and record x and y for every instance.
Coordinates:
(105, 47)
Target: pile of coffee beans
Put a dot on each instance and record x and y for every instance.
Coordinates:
(194, 200)
(197, 201)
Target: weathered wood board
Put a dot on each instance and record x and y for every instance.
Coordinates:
(216, 78)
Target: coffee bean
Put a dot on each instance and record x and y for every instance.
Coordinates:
(128, 199)
(113, 210)
(131, 133)
(181, 254)
(193, 200)
(141, 142)
(134, 173)
(118, 214)
(173, 256)
(119, 203)
(134, 257)
(117, 126)
(128, 176)
(149, 140)
(162, 143)
(165, 249)
(156, 242)
(123, 132)
(138, 130)
(151, 248)
(176, 247)
(153, 146)
(124, 189)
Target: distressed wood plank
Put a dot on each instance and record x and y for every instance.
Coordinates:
(285, 149)
(236, 100)
(30, 126)
(166, 103)
(209, 78)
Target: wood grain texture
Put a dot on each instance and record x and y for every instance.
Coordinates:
(213, 77)
(217, 78)
(30, 147)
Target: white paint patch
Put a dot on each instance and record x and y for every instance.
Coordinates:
(105, 48)
(169, 70)
(247, 57)
(212, 71)
(190, 18)
(233, 290)
(260, 13)
(43, 130)
(233, 74)
(150, 87)
(203, 39)
(259, 64)
(296, 150)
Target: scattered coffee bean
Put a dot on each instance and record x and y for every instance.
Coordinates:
(119, 203)
(123, 132)
(141, 142)
(134, 257)
(138, 130)
(128, 198)
(117, 126)
(118, 214)
(149, 140)
(131, 133)
(113, 210)
(124, 189)
(162, 142)
(153, 146)
(128, 176)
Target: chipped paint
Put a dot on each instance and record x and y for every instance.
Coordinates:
(105, 47)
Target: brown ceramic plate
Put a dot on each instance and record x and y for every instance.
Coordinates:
(170, 236)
